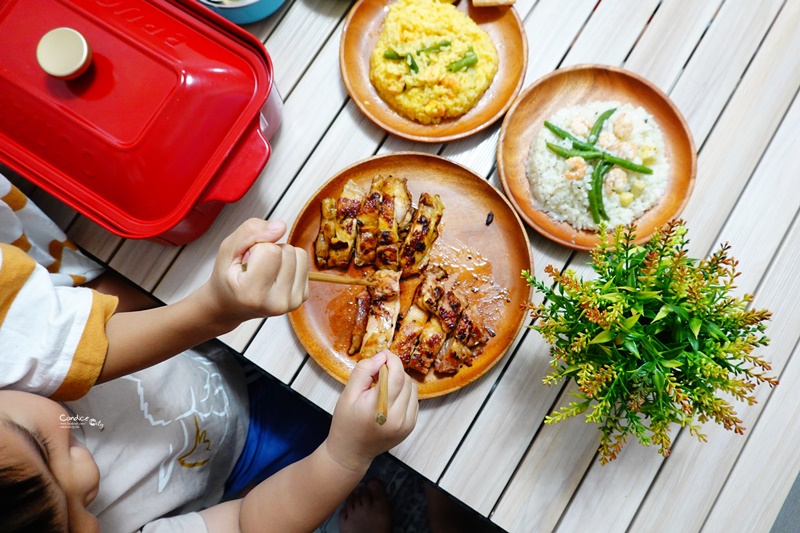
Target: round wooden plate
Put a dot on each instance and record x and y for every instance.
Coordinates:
(488, 257)
(579, 85)
(360, 35)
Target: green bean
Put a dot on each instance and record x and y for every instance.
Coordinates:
(411, 63)
(601, 204)
(433, 48)
(469, 59)
(593, 207)
(595, 212)
(391, 54)
(566, 153)
(564, 134)
(624, 163)
(598, 125)
(409, 58)
(596, 206)
(596, 154)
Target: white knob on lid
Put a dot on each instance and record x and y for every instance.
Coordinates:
(64, 53)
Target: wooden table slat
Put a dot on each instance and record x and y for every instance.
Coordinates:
(669, 39)
(611, 32)
(717, 65)
(768, 465)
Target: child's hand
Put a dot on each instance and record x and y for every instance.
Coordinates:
(355, 438)
(253, 277)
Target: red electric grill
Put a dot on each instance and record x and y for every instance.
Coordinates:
(170, 121)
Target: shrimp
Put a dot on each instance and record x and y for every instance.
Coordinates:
(623, 127)
(435, 109)
(395, 86)
(606, 140)
(627, 150)
(576, 168)
(580, 126)
(450, 81)
(618, 178)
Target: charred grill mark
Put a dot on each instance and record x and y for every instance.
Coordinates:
(416, 248)
(363, 301)
(327, 231)
(449, 310)
(367, 241)
(348, 207)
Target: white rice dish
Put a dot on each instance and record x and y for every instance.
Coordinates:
(561, 187)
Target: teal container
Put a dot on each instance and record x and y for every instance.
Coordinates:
(243, 11)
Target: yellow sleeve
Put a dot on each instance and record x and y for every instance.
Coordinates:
(68, 323)
(90, 354)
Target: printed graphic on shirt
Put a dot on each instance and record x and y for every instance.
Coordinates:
(203, 422)
(201, 445)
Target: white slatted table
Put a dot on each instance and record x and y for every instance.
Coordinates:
(731, 67)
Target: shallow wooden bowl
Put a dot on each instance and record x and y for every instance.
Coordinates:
(471, 244)
(360, 35)
(575, 86)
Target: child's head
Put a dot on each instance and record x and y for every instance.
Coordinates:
(47, 479)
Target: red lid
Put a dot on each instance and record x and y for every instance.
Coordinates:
(173, 91)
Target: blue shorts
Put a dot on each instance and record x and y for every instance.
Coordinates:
(284, 428)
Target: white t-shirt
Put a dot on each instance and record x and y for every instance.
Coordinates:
(165, 439)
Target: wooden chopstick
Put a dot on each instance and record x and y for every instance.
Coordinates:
(335, 278)
(383, 394)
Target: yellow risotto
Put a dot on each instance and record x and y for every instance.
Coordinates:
(431, 61)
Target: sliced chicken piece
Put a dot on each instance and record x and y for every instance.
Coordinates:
(363, 301)
(343, 241)
(397, 188)
(428, 291)
(367, 238)
(327, 228)
(449, 309)
(467, 342)
(382, 312)
(386, 256)
(415, 251)
(405, 340)
(448, 360)
(430, 344)
(393, 220)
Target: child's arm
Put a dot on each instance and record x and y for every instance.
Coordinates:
(304, 494)
(274, 282)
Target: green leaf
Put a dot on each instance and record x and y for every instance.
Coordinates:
(658, 381)
(671, 363)
(672, 353)
(631, 346)
(713, 330)
(694, 343)
(631, 321)
(664, 311)
(694, 325)
(681, 312)
(603, 336)
(613, 297)
(570, 370)
(648, 295)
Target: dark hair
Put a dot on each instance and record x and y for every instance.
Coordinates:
(28, 502)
